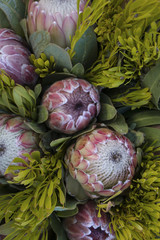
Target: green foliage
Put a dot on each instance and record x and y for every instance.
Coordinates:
(30, 208)
(11, 12)
(137, 217)
(18, 99)
(87, 18)
(135, 97)
(43, 66)
(151, 80)
(129, 41)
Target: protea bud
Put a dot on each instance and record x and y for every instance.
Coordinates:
(15, 139)
(102, 161)
(59, 18)
(14, 58)
(86, 225)
(72, 103)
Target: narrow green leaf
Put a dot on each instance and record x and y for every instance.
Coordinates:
(56, 142)
(43, 197)
(25, 204)
(50, 189)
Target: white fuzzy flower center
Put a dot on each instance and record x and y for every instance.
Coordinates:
(9, 148)
(113, 163)
(65, 7)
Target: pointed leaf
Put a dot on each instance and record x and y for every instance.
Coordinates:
(56, 142)
(42, 114)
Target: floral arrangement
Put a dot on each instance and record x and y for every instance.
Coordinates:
(79, 119)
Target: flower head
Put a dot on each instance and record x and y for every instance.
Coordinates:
(59, 18)
(15, 139)
(102, 161)
(86, 225)
(72, 103)
(14, 58)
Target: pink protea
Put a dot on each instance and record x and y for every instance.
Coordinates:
(15, 139)
(72, 103)
(102, 161)
(14, 58)
(86, 225)
(59, 18)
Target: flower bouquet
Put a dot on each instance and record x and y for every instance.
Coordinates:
(79, 119)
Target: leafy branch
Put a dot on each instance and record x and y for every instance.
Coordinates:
(42, 177)
(18, 99)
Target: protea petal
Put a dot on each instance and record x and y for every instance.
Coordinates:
(57, 35)
(15, 139)
(86, 225)
(110, 159)
(58, 18)
(69, 105)
(14, 58)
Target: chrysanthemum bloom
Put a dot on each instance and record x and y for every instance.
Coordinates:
(14, 58)
(85, 225)
(15, 139)
(59, 18)
(72, 103)
(102, 161)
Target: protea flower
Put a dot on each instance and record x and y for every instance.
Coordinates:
(72, 103)
(85, 225)
(14, 58)
(59, 18)
(102, 161)
(15, 139)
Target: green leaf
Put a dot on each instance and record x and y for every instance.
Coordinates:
(37, 90)
(78, 70)
(143, 118)
(36, 127)
(7, 228)
(152, 80)
(23, 24)
(21, 91)
(152, 135)
(25, 204)
(69, 209)
(61, 57)
(56, 142)
(56, 226)
(119, 124)
(39, 40)
(43, 197)
(14, 11)
(108, 112)
(86, 49)
(4, 23)
(42, 114)
(74, 188)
